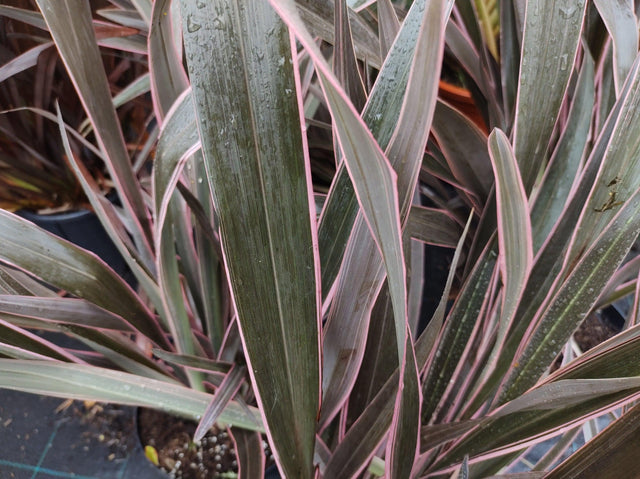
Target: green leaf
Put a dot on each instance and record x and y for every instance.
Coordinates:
(20, 343)
(622, 24)
(194, 362)
(427, 339)
(389, 25)
(574, 299)
(178, 139)
(363, 438)
(168, 78)
(136, 88)
(463, 473)
(121, 350)
(13, 281)
(113, 225)
(22, 62)
(125, 17)
(375, 184)
(29, 17)
(565, 162)
(173, 298)
(318, 17)
(514, 234)
(381, 116)
(71, 27)
(432, 226)
(510, 41)
(373, 178)
(610, 359)
(619, 175)
(564, 393)
(552, 257)
(501, 434)
(73, 269)
(225, 392)
(405, 152)
(600, 241)
(436, 434)
(455, 337)
(62, 310)
(611, 454)
(402, 446)
(244, 89)
(470, 20)
(249, 453)
(551, 38)
(78, 381)
(344, 57)
(465, 149)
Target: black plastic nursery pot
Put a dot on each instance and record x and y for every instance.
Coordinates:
(171, 440)
(43, 437)
(83, 228)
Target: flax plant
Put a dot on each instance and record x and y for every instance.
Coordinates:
(304, 158)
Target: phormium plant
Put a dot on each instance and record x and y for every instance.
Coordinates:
(272, 302)
(33, 171)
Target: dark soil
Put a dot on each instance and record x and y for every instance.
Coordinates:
(172, 438)
(594, 330)
(109, 424)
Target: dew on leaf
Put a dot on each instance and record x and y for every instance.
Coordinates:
(192, 26)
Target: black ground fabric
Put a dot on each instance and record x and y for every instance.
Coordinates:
(47, 438)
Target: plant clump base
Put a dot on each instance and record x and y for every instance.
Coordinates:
(172, 438)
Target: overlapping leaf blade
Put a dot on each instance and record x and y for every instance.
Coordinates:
(167, 74)
(621, 21)
(603, 232)
(565, 163)
(550, 43)
(514, 232)
(62, 310)
(74, 269)
(72, 30)
(91, 383)
(381, 115)
(611, 454)
(252, 144)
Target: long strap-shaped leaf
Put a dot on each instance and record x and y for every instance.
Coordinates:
(514, 235)
(549, 260)
(168, 79)
(373, 178)
(367, 285)
(85, 382)
(176, 142)
(621, 21)
(565, 163)
(69, 267)
(244, 89)
(362, 439)
(604, 231)
(381, 115)
(611, 454)
(72, 30)
(574, 300)
(541, 414)
(544, 73)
